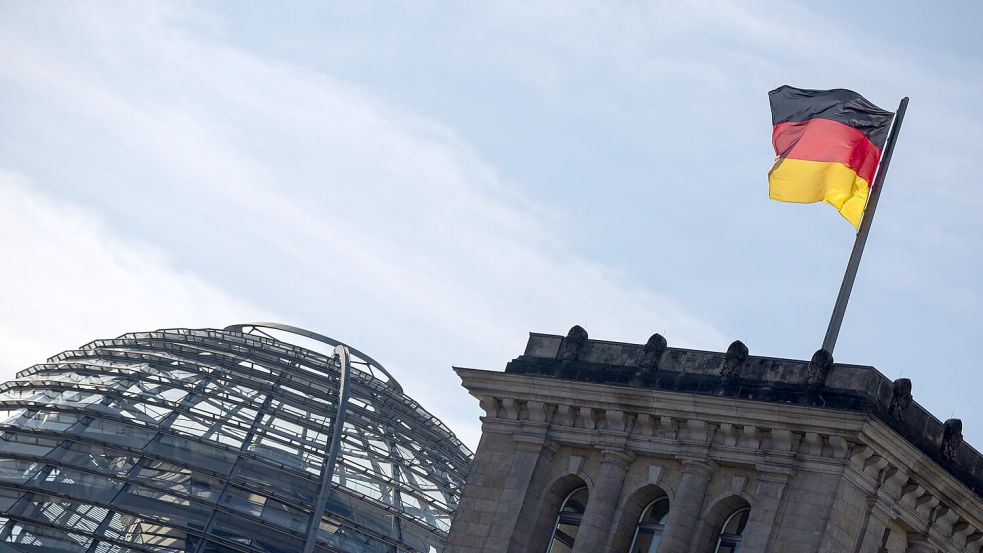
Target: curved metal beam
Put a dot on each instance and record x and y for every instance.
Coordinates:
(334, 448)
(319, 338)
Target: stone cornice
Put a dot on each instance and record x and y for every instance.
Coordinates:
(736, 374)
(482, 383)
(877, 459)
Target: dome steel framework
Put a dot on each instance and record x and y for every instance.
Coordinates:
(221, 440)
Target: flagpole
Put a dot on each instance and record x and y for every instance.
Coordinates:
(858, 246)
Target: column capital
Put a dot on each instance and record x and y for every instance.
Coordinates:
(703, 468)
(529, 442)
(498, 426)
(918, 543)
(603, 501)
(887, 505)
(617, 457)
(687, 503)
(881, 510)
(775, 473)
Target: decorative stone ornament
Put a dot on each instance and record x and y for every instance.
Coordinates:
(573, 344)
(652, 351)
(734, 360)
(952, 438)
(900, 397)
(651, 356)
(819, 367)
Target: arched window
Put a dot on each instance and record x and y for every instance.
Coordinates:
(568, 522)
(730, 533)
(648, 531)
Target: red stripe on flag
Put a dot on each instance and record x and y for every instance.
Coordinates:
(826, 140)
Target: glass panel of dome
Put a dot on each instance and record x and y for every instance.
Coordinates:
(266, 539)
(167, 507)
(94, 457)
(288, 484)
(125, 408)
(420, 538)
(7, 500)
(281, 514)
(9, 415)
(48, 420)
(46, 539)
(20, 394)
(66, 481)
(59, 512)
(105, 547)
(278, 450)
(244, 500)
(156, 413)
(362, 513)
(352, 541)
(173, 395)
(157, 538)
(26, 444)
(189, 425)
(220, 408)
(114, 432)
(359, 483)
(181, 480)
(199, 454)
(17, 470)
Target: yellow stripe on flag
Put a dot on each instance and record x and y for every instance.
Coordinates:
(802, 181)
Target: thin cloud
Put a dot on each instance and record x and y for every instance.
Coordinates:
(308, 197)
(67, 281)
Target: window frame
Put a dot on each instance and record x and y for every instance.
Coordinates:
(567, 518)
(732, 540)
(655, 528)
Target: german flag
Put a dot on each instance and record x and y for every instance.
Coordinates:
(827, 143)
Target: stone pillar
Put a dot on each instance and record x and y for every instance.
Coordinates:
(918, 543)
(529, 450)
(772, 482)
(877, 521)
(496, 490)
(478, 505)
(603, 501)
(684, 511)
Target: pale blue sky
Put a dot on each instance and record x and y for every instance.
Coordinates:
(429, 181)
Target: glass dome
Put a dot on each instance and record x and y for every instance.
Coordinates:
(222, 440)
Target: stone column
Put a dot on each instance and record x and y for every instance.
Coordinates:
(603, 501)
(772, 482)
(496, 489)
(684, 511)
(477, 510)
(918, 543)
(877, 521)
(529, 451)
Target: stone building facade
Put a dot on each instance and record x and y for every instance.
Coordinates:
(593, 446)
